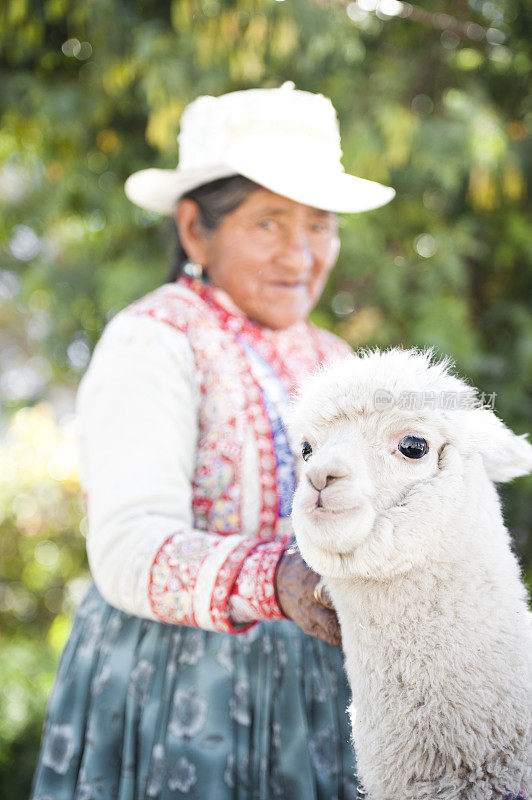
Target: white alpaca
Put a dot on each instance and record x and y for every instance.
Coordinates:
(396, 508)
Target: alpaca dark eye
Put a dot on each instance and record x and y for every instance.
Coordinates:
(306, 451)
(413, 446)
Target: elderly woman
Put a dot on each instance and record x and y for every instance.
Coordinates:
(203, 662)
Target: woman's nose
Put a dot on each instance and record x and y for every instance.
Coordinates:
(297, 253)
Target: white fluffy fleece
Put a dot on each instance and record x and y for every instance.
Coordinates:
(436, 629)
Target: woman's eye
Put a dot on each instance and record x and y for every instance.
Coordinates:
(321, 227)
(306, 451)
(413, 446)
(267, 224)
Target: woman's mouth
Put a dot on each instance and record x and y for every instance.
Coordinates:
(289, 286)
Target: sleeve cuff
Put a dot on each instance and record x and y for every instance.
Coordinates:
(252, 597)
(216, 583)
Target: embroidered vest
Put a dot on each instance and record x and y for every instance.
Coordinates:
(244, 376)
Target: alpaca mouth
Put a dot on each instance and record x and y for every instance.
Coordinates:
(322, 510)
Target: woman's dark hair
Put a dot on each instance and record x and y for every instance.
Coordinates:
(215, 201)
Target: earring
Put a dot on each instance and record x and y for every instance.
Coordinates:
(193, 270)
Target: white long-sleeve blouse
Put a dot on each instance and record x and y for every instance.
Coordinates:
(184, 463)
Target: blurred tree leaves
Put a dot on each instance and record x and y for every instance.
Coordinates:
(437, 103)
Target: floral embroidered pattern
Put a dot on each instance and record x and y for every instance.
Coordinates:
(183, 776)
(188, 714)
(173, 576)
(274, 397)
(253, 595)
(141, 678)
(192, 648)
(240, 704)
(59, 748)
(227, 577)
(157, 771)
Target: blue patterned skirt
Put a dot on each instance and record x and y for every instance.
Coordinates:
(141, 709)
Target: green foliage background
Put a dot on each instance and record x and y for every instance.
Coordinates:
(436, 102)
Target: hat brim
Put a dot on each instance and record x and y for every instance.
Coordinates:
(160, 189)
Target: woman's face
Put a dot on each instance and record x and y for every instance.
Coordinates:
(272, 256)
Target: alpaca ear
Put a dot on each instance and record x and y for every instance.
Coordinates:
(506, 456)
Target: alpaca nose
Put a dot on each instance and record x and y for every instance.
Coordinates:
(319, 479)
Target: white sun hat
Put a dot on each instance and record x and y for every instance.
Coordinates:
(284, 139)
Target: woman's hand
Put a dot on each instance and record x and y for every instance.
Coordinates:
(294, 587)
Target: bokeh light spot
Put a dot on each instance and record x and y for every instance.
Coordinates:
(24, 243)
(71, 47)
(425, 245)
(343, 304)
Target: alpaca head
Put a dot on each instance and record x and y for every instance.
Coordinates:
(372, 426)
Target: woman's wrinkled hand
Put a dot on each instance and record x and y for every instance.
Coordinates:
(295, 584)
